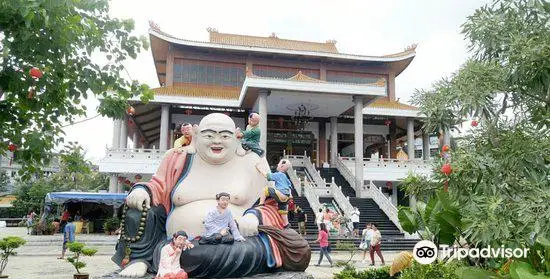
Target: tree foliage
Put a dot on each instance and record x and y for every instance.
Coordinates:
(59, 38)
(501, 176)
(75, 173)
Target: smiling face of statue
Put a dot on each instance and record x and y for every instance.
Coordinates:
(216, 140)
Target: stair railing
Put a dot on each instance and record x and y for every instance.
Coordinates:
(295, 181)
(385, 204)
(342, 201)
(311, 196)
(346, 172)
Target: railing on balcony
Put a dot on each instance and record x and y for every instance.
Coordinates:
(129, 160)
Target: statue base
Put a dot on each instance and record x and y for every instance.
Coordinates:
(274, 275)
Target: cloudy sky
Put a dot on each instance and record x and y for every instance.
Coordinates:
(359, 27)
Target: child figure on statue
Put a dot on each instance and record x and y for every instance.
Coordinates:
(187, 135)
(281, 193)
(169, 266)
(250, 138)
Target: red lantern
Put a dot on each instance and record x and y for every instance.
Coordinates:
(446, 169)
(445, 148)
(131, 110)
(12, 147)
(387, 122)
(138, 176)
(35, 72)
(188, 112)
(474, 123)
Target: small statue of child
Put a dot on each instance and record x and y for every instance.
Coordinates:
(281, 193)
(169, 266)
(250, 138)
(187, 135)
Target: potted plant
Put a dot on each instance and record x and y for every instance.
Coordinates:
(8, 246)
(78, 250)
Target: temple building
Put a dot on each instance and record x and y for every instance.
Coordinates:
(313, 100)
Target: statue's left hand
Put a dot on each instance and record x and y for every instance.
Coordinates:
(248, 225)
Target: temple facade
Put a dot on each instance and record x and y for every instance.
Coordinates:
(313, 101)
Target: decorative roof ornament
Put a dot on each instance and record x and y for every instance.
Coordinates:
(331, 41)
(273, 35)
(212, 30)
(411, 47)
(153, 26)
(302, 77)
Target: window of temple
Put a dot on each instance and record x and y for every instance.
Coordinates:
(352, 77)
(283, 72)
(190, 71)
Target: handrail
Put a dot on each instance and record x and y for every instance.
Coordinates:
(295, 181)
(311, 196)
(342, 201)
(385, 204)
(346, 173)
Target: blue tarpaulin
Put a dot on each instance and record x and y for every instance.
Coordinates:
(116, 199)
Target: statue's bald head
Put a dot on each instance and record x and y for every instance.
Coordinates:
(216, 140)
(217, 120)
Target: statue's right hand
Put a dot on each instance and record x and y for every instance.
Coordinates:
(137, 198)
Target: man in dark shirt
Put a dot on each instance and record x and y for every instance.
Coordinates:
(302, 219)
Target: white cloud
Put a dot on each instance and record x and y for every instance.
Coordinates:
(361, 27)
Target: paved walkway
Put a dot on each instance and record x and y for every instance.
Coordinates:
(38, 258)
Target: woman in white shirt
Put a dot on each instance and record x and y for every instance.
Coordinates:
(375, 242)
(366, 238)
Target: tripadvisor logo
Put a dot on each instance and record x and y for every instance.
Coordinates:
(426, 252)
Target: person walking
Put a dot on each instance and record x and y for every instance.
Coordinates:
(68, 235)
(64, 219)
(375, 245)
(30, 221)
(319, 218)
(302, 219)
(322, 239)
(291, 209)
(355, 220)
(366, 238)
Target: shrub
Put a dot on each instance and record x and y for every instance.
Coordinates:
(8, 246)
(79, 249)
(437, 269)
(349, 272)
(111, 224)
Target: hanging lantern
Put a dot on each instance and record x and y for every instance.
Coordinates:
(445, 148)
(35, 73)
(474, 123)
(446, 169)
(389, 184)
(188, 112)
(131, 110)
(387, 122)
(138, 176)
(12, 147)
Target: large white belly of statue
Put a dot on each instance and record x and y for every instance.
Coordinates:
(196, 195)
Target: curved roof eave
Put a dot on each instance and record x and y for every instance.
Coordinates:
(405, 55)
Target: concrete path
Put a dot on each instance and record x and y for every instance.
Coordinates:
(38, 258)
